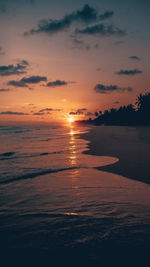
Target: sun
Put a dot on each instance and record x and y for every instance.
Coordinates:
(71, 119)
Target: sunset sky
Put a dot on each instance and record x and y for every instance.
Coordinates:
(61, 59)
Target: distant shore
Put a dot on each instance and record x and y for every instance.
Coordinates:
(130, 144)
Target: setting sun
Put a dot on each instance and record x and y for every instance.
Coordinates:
(71, 119)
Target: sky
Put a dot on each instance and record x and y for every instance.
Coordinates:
(62, 59)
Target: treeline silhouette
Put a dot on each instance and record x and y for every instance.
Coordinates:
(126, 115)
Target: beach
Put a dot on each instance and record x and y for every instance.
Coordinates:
(58, 206)
(131, 145)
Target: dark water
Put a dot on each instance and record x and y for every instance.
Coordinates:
(54, 206)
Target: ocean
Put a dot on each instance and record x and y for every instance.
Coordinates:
(55, 204)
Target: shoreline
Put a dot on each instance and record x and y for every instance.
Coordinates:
(131, 145)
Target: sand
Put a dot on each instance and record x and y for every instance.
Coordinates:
(131, 145)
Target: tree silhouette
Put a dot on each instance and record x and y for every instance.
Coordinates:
(143, 102)
(126, 115)
(143, 105)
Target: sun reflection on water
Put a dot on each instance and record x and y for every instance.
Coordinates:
(72, 147)
(73, 158)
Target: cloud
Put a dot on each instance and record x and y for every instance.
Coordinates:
(80, 44)
(87, 15)
(4, 90)
(51, 26)
(34, 79)
(116, 102)
(106, 15)
(20, 68)
(101, 30)
(56, 83)
(78, 111)
(46, 111)
(27, 80)
(13, 113)
(129, 72)
(103, 89)
(50, 109)
(39, 113)
(135, 58)
(17, 83)
(72, 113)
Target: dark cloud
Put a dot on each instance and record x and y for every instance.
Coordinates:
(116, 102)
(4, 90)
(56, 83)
(87, 14)
(135, 58)
(34, 79)
(78, 111)
(17, 83)
(27, 80)
(72, 113)
(39, 113)
(18, 69)
(103, 89)
(106, 15)
(46, 111)
(50, 109)
(129, 72)
(13, 113)
(101, 30)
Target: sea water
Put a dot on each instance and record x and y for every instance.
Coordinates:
(53, 199)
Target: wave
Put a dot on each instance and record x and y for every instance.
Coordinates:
(35, 174)
(7, 154)
(46, 140)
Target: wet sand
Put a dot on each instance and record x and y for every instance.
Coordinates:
(131, 145)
